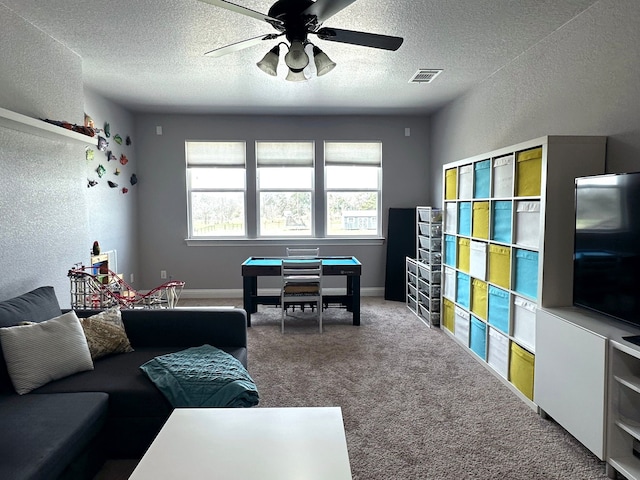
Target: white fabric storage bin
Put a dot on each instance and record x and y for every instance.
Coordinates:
(528, 223)
(465, 186)
(449, 284)
(498, 352)
(451, 217)
(503, 177)
(478, 260)
(524, 322)
(461, 329)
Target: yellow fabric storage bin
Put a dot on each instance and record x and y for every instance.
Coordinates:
(521, 369)
(464, 254)
(450, 184)
(479, 298)
(448, 315)
(480, 221)
(500, 265)
(529, 173)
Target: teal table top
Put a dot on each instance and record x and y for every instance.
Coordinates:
(277, 261)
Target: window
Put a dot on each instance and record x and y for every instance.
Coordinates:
(285, 193)
(285, 188)
(216, 179)
(353, 172)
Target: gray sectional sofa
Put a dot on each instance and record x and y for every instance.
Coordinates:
(67, 427)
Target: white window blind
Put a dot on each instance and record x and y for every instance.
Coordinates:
(215, 154)
(284, 154)
(353, 153)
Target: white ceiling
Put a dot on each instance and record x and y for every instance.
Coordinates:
(147, 55)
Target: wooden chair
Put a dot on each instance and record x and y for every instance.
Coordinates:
(301, 285)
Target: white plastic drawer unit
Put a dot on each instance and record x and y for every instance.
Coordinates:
(430, 273)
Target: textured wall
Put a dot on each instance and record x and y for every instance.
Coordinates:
(581, 80)
(163, 222)
(48, 220)
(113, 215)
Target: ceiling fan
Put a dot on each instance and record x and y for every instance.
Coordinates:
(296, 19)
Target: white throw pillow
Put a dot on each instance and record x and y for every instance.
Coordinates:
(41, 352)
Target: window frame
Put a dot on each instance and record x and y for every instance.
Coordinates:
(214, 164)
(319, 193)
(372, 162)
(298, 162)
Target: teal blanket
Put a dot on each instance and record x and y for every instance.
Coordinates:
(202, 376)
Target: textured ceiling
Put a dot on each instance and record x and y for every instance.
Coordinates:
(147, 55)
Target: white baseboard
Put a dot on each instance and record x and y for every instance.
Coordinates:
(237, 293)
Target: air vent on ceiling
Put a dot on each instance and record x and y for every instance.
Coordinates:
(425, 75)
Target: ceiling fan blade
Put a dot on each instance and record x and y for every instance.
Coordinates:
(372, 40)
(323, 9)
(245, 11)
(234, 47)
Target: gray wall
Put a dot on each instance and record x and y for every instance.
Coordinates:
(48, 216)
(163, 208)
(581, 80)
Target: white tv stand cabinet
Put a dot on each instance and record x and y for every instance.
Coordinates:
(588, 380)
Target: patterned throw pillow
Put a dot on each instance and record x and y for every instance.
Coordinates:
(41, 352)
(106, 334)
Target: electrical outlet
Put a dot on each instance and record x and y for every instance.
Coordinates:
(163, 274)
(131, 278)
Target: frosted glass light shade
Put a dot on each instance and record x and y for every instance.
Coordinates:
(269, 63)
(323, 63)
(296, 75)
(296, 58)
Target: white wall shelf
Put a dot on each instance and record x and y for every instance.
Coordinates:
(40, 128)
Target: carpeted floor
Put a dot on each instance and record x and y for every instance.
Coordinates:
(415, 404)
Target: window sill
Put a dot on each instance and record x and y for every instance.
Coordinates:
(287, 242)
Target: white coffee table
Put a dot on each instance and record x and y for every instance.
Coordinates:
(248, 443)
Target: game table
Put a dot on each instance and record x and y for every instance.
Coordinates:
(255, 267)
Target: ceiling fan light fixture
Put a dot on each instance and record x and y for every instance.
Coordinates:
(296, 75)
(296, 58)
(269, 63)
(323, 63)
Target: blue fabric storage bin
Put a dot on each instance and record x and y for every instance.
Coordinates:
(501, 216)
(464, 218)
(463, 289)
(499, 309)
(450, 250)
(526, 276)
(482, 183)
(478, 337)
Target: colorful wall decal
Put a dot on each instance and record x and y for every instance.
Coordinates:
(102, 144)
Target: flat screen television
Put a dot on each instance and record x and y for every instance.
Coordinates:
(606, 261)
